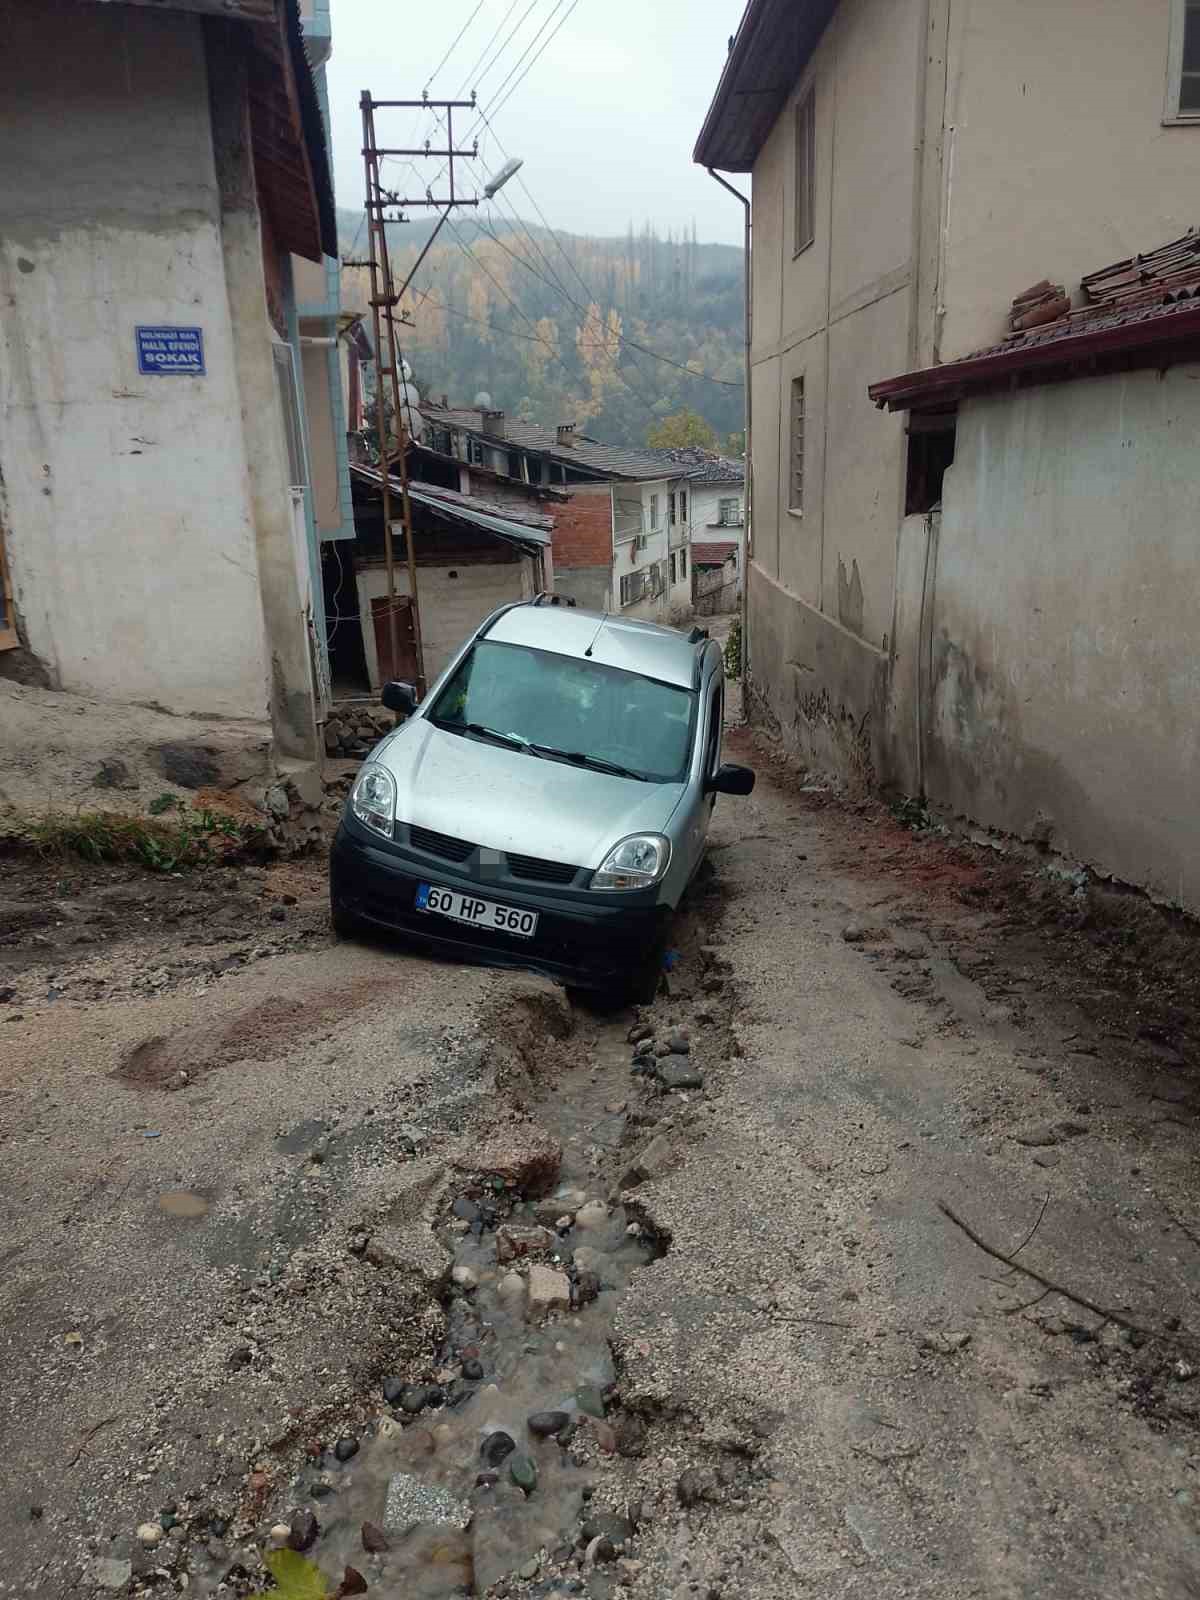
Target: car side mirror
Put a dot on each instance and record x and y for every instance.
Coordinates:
(400, 697)
(729, 779)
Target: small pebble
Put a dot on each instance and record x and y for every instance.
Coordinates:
(302, 1534)
(473, 1369)
(345, 1448)
(374, 1540)
(496, 1447)
(149, 1534)
(547, 1423)
(522, 1471)
(280, 1534)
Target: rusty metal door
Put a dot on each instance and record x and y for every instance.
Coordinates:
(406, 668)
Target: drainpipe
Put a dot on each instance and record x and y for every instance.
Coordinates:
(749, 468)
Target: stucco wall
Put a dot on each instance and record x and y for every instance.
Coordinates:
(1065, 683)
(704, 500)
(1057, 158)
(831, 315)
(130, 534)
(451, 607)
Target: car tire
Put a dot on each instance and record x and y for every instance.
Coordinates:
(643, 983)
(344, 923)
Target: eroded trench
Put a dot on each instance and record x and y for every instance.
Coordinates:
(482, 1468)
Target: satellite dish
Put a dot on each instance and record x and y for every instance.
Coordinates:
(482, 401)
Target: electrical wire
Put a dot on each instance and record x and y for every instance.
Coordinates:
(469, 80)
(450, 51)
(479, 77)
(566, 17)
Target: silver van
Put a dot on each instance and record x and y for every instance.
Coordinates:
(548, 803)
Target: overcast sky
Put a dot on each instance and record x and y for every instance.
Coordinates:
(605, 120)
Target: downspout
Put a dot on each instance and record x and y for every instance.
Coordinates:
(749, 468)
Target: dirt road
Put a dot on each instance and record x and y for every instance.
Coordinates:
(293, 1227)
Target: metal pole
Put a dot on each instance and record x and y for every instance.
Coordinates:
(370, 163)
(383, 306)
(749, 414)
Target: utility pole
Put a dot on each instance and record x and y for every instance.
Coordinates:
(385, 298)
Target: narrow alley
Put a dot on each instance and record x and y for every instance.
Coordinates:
(292, 1224)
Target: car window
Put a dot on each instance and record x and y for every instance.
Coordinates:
(712, 749)
(577, 706)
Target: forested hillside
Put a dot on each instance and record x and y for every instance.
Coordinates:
(549, 325)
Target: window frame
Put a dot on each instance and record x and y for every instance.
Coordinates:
(1172, 114)
(682, 506)
(796, 505)
(652, 514)
(804, 175)
(671, 510)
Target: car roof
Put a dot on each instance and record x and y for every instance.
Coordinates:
(645, 647)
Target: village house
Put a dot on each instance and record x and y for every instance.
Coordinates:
(620, 539)
(977, 593)
(170, 403)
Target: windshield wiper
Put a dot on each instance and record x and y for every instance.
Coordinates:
(580, 758)
(509, 740)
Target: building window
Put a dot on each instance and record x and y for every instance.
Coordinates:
(474, 452)
(796, 448)
(290, 408)
(633, 586)
(674, 573)
(683, 505)
(729, 512)
(671, 509)
(683, 564)
(806, 137)
(1183, 76)
(930, 454)
(653, 512)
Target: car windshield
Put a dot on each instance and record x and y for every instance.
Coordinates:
(564, 707)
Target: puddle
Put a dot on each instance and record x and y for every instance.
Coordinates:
(184, 1203)
(459, 1450)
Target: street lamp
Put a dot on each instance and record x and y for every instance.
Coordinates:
(509, 170)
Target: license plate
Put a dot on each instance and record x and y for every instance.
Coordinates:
(477, 913)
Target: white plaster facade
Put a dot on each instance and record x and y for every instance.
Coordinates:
(959, 155)
(148, 519)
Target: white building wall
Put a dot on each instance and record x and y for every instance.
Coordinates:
(454, 601)
(1064, 700)
(130, 534)
(705, 512)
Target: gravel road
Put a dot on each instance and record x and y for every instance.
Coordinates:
(240, 1159)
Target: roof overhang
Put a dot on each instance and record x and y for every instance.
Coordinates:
(521, 534)
(1158, 341)
(291, 159)
(770, 50)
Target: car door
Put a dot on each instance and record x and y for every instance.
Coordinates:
(698, 802)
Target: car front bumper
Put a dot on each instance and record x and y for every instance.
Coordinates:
(587, 941)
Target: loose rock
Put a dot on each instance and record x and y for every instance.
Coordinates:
(673, 1076)
(548, 1290)
(497, 1447)
(374, 1540)
(149, 1534)
(345, 1448)
(522, 1471)
(304, 1531)
(514, 1241)
(691, 1488)
(110, 1573)
(547, 1423)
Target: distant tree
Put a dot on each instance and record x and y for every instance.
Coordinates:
(681, 428)
(735, 444)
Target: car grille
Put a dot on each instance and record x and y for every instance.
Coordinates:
(538, 871)
(440, 844)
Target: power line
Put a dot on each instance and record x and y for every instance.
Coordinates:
(534, 62)
(470, 77)
(450, 52)
(474, 79)
(557, 6)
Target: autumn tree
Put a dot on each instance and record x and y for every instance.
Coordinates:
(679, 429)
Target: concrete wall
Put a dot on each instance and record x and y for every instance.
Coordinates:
(1065, 681)
(1058, 159)
(131, 534)
(451, 607)
(833, 315)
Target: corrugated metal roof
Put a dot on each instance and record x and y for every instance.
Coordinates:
(512, 523)
(586, 454)
(1141, 309)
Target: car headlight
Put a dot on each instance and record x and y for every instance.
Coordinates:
(635, 863)
(373, 799)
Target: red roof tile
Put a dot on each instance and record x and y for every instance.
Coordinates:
(1145, 305)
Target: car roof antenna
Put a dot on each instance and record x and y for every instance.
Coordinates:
(596, 635)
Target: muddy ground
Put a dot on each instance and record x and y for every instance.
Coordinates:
(255, 1183)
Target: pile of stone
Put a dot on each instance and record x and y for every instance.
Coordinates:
(352, 730)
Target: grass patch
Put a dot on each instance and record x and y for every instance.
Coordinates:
(188, 838)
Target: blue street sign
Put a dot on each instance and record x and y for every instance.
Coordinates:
(170, 350)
